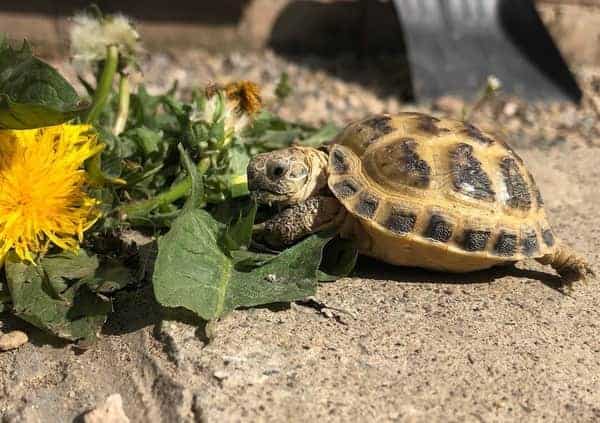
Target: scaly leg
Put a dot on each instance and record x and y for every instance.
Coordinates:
(568, 264)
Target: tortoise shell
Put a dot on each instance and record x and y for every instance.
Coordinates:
(436, 193)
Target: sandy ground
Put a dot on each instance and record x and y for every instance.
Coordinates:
(388, 344)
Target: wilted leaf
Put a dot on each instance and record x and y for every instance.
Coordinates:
(32, 93)
(193, 270)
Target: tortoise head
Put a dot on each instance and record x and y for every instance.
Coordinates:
(287, 176)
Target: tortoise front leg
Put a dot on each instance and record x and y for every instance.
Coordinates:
(299, 220)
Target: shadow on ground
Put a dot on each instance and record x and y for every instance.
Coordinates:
(368, 268)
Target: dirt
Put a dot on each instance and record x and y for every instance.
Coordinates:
(387, 344)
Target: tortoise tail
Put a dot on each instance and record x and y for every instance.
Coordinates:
(568, 264)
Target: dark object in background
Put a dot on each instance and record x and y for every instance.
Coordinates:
(454, 45)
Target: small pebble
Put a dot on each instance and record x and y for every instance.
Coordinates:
(111, 411)
(327, 313)
(12, 340)
(510, 108)
(220, 374)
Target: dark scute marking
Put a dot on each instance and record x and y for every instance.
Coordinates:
(518, 191)
(401, 162)
(506, 245)
(536, 191)
(338, 160)
(508, 148)
(475, 133)
(529, 243)
(381, 124)
(367, 205)
(345, 188)
(467, 175)
(428, 125)
(548, 237)
(400, 221)
(475, 240)
(438, 229)
(538, 196)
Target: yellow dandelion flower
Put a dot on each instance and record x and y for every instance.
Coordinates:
(42, 189)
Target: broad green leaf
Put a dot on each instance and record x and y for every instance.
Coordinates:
(109, 277)
(246, 260)
(78, 314)
(32, 93)
(69, 265)
(193, 271)
(65, 267)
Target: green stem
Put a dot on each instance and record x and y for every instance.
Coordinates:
(139, 210)
(103, 89)
(123, 113)
(104, 85)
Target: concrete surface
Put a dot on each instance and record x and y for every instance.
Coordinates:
(388, 344)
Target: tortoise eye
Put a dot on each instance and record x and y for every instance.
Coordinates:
(276, 169)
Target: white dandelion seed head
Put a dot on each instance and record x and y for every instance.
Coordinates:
(90, 37)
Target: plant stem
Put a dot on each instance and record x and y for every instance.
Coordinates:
(104, 86)
(123, 112)
(139, 210)
(103, 89)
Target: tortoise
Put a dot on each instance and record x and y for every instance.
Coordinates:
(413, 190)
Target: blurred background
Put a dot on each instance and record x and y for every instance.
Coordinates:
(344, 59)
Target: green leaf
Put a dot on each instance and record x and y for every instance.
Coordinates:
(4, 296)
(339, 260)
(62, 268)
(246, 260)
(148, 140)
(237, 179)
(32, 93)
(283, 88)
(320, 137)
(197, 187)
(78, 314)
(239, 234)
(194, 271)
(109, 277)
